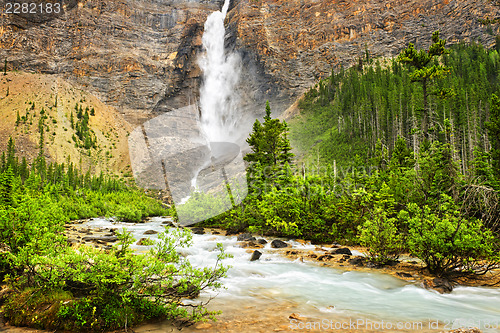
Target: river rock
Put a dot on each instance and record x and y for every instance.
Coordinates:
(261, 241)
(404, 275)
(256, 255)
(150, 232)
(108, 239)
(342, 250)
(245, 237)
(278, 244)
(198, 231)
(143, 242)
(357, 261)
(371, 264)
(251, 244)
(442, 285)
(168, 223)
(71, 241)
(325, 257)
(295, 316)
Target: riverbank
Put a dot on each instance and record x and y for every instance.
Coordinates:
(289, 289)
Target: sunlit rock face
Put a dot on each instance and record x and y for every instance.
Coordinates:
(296, 42)
(142, 56)
(132, 54)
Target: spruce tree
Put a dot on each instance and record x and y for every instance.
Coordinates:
(425, 71)
(493, 126)
(271, 149)
(269, 142)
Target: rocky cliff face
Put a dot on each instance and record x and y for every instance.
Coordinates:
(141, 56)
(299, 41)
(130, 53)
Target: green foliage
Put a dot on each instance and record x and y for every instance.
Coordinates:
(99, 290)
(425, 71)
(343, 117)
(119, 288)
(380, 234)
(84, 136)
(447, 242)
(493, 126)
(270, 146)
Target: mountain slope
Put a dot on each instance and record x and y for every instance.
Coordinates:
(27, 95)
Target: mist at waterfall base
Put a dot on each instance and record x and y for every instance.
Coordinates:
(323, 292)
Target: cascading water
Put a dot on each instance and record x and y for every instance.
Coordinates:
(327, 293)
(221, 72)
(218, 97)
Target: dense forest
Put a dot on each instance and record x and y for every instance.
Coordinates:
(399, 155)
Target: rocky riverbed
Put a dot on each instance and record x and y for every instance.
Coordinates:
(289, 284)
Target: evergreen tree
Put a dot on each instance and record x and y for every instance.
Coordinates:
(493, 126)
(6, 185)
(425, 70)
(269, 142)
(11, 155)
(271, 151)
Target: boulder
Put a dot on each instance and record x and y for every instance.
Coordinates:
(198, 231)
(296, 316)
(371, 264)
(143, 241)
(404, 275)
(356, 261)
(251, 244)
(150, 232)
(278, 244)
(168, 223)
(342, 250)
(441, 285)
(107, 239)
(325, 257)
(255, 255)
(261, 241)
(245, 237)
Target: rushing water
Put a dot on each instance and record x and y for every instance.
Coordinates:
(323, 292)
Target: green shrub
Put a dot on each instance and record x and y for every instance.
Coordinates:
(448, 243)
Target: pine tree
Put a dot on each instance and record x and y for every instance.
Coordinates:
(11, 155)
(269, 142)
(41, 164)
(6, 185)
(493, 126)
(23, 169)
(425, 71)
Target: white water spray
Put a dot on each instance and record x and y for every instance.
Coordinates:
(221, 72)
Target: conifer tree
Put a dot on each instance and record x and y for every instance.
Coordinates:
(426, 71)
(271, 150)
(269, 142)
(493, 126)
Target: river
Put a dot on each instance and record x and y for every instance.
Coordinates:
(263, 294)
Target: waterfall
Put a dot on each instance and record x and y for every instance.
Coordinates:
(221, 72)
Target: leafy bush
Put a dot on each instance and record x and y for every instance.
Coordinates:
(116, 288)
(447, 242)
